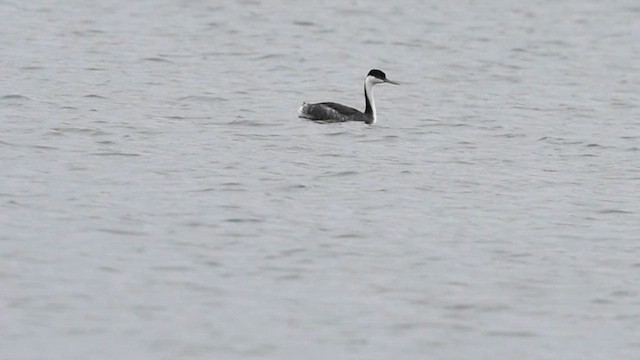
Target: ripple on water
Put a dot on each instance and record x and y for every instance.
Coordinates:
(304, 23)
(244, 220)
(14, 97)
(511, 135)
(339, 133)
(157, 59)
(386, 138)
(512, 333)
(338, 174)
(614, 211)
(559, 141)
(203, 99)
(269, 56)
(237, 187)
(209, 189)
(252, 123)
(76, 130)
(37, 146)
(115, 154)
(121, 232)
(351, 235)
(294, 187)
(31, 68)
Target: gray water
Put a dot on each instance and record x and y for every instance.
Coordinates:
(159, 198)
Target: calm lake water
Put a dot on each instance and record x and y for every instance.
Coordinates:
(159, 198)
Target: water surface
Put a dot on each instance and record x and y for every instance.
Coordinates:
(159, 199)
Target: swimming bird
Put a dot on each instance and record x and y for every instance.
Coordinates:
(332, 112)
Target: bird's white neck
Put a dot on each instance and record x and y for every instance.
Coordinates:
(368, 94)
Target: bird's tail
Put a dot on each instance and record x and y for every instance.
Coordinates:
(302, 110)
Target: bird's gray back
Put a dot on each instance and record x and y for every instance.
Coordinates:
(330, 111)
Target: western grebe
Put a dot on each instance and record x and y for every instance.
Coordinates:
(332, 112)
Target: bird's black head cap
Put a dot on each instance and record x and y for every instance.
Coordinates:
(377, 73)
